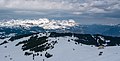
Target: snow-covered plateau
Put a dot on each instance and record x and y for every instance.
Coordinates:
(60, 47)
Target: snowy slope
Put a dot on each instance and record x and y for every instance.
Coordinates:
(62, 48)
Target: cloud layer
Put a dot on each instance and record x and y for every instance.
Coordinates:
(86, 6)
(60, 8)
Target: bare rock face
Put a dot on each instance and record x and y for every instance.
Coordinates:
(48, 55)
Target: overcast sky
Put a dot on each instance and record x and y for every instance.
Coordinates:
(94, 11)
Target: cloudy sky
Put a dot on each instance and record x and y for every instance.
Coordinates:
(83, 11)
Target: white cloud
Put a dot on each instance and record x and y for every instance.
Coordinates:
(103, 6)
(114, 7)
(96, 10)
(77, 13)
(35, 4)
(74, 6)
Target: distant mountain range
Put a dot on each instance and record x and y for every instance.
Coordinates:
(19, 27)
(110, 30)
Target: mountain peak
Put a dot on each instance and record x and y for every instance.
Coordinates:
(42, 22)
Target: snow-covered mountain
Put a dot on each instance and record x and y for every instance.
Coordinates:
(60, 47)
(17, 27)
(44, 23)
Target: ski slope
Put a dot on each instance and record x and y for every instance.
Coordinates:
(63, 51)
